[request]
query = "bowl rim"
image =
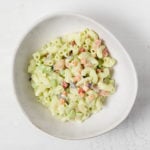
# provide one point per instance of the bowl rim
(85, 17)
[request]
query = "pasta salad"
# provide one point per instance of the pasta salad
(72, 75)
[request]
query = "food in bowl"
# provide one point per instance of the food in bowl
(72, 75)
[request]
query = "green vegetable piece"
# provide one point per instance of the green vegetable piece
(53, 83)
(72, 114)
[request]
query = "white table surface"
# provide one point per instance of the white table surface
(128, 20)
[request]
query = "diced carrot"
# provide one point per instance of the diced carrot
(105, 52)
(104, 93)
(62, 101)
(81, 90)
(76, 78)
(85, 88)
(65, 84)
(83, 61)
(98, 42)
(82, 94)
(81, 49)
(73, 43)
(64, 93)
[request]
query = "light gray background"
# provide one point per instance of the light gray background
(128, 20)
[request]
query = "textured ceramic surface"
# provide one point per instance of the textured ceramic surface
(118, 105)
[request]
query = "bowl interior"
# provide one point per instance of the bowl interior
(117, 106)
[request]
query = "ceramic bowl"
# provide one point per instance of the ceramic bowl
(118, 105)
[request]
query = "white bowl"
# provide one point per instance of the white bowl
(118, 105)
